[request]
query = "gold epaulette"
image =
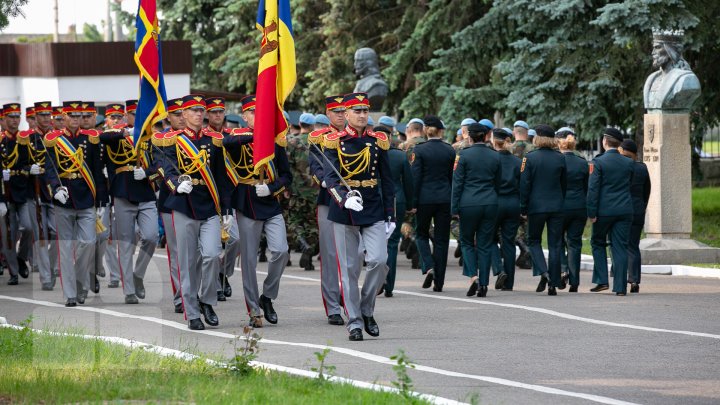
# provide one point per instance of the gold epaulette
(241, 131)
(50, 139)
(215, 136)
(92, 134)
(332, 140)
(381, 139)
(318, 135)
(23, 137)
(164, 139)
(281, 141)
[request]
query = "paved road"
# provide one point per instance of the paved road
(659, 347)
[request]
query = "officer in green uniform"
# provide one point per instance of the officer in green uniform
(610, 209)
(520, 148)
(415, 134)
(476, 180)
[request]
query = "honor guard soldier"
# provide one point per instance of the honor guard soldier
(610, 209)
(363, 207)
(543, 181)
(130, 108)
(231, 234)
(193, 169)
(432, 167)
(72, 167)
(30, 116)
(131, 174)
(329, 282)
(18, 193)
(177, 123)
(257, 208)
(44, 248)
(57, 118)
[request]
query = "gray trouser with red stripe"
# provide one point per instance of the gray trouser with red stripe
(128, 214)
(329, 278)
(172, 257)
(76, 242)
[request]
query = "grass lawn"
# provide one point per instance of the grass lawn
(39, 368)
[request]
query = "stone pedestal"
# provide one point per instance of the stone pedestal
(668, 224)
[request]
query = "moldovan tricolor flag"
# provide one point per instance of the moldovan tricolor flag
(276, 77)
(152, 103)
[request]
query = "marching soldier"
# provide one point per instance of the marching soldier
(57, 118)
(30, 117)
(131, 174)
(72, 167)
(130, 108)
(520, 148)
(360, 157)
(257, 208)
(330, 284)
(216, 120)
(177, 123)
(192, 167)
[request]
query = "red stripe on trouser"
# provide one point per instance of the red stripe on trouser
(167, 250)
(317, 218)
(172, 214)
(57, 243)
(337, 261)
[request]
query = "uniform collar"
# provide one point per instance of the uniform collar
(192, 134)
(354, 133)
(68, 133)
(10, 135)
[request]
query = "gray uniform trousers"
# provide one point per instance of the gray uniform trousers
(127, 214)
(171, 246)
(106, 247)
(198, 274)
(347, 240)
(45, 251)
(76, 241)
(276, 235)
(27, 234)
(6, 244)
(329, 272)
(232, 251)
(22, 230)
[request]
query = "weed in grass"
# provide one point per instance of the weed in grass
(246, 353)
(404, 382)
(324, 370)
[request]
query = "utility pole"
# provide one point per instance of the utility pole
(56, 23)
(108, 23)
(118, 23)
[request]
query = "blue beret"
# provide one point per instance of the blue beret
(286, 115)
(417, 121)
(386, 121)
(371, 122)
(459, 132)
(531, 132)
(487, 123)
(234, 118)
(521, 124)
(401, 128)
(307, 118)
(507, 130)
(564, 132)
(322, 119)
(467, 121)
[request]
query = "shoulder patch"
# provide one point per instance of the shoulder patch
(23, 137)
(92, 134)
(457, 159)
(164, 139)
(381, 139)
(522, 167)
(412, 158)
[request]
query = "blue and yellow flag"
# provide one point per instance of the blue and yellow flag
(152, 103)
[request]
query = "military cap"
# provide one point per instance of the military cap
(383, 129)
(521, 124)
(459, 131)
(356, 101)
(478, 128)
(507, 131)
(545, 131)
(248, 102)
(193, 101)
(433, 121)
(371, 121)
(416, 121)
(234, 118)
(215, 103)
(57, 111)
(487, 123)
(88, 107)
(115, 108)
(307, 119)
(12, 108)
(174, 104)
(531, 133)
(130, 106)
(564, 132)
(43, 107)
(29, 112)
(501, 133)
(401, 127)
(322, 119)
(629, 145)
(386, 121)
(467, 121)
(72, 107)
(335, 103)
(613, 133)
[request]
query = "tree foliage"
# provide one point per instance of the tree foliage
(10, 9)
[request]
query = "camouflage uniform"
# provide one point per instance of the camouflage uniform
(411, 251)
(524, 261)
(301, 206)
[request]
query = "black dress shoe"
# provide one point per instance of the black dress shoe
(388, 294)
(225, 285)
(139, 287)
(179, 308)
(96, 285)
(81, 296)
(564, 277)
(437, 289)
(131, 299)
(473, 289)
(544, 278)
(221, 296)
(482, 291)
(460, 261)
(23, 270)
(552, 291)
(371, 327)
(381, 290)
(500, 282)
(506, 289)
(634, 288)
(600, 287)
(458, 252)
(13, 280)
(47, 287)
(209, 314)
(268, 310)
(306, 260)
(356, 335)
(262, 258)
(573, 288)
(335, 319)
(71, 302)
(196, 324)
(429, 277)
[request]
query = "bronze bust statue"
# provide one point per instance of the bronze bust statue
(367, 70)
(673, 87)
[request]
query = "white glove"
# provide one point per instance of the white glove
(323, 184)
(139, 173)
(105, 172)
(62, 195)
(354, 203)
(3, 209)
(262, 190)
(389, 229)
(185, 187)
(34, 169)
(6, 175)
(227, 220)
(100, 211)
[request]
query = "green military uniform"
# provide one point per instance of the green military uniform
(520, 149)
(301, 207)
